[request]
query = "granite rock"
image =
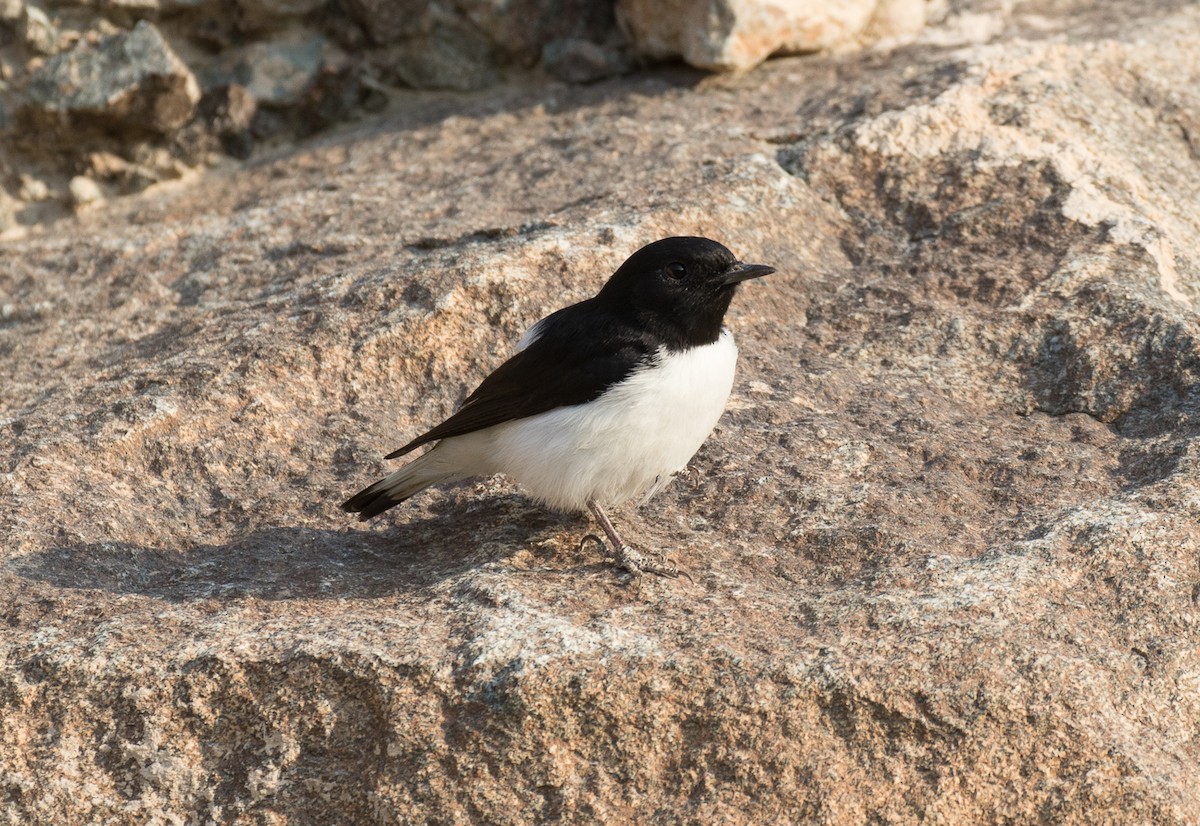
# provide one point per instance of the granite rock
(129, 80)
(273, 15)
(279, 72)
(37, 30)
(386, 21)
(84, 191)
(520, 29)
(516, 30)
(739, 34)
(451, 54)
(574, 60)
(944, 542)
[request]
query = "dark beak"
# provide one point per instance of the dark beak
(740, 272)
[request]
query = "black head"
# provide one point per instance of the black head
(679, 288)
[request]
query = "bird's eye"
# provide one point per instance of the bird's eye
(675, 271)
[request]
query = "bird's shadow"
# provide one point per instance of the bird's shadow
(280, 563)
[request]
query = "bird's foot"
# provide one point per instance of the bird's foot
(638, 563)
(634, 561)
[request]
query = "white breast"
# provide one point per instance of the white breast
(625, 443)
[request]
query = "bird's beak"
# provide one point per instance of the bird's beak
(740, 272)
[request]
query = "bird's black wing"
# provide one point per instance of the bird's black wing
(578, 354)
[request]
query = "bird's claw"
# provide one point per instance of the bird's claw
(591, 537)
(638, 563)
(635, 562)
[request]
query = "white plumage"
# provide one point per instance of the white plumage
(624, 444)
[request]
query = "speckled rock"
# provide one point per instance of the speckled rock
(128, 80)
(574, 60)
(280, 72)
(450, 53)
(84, 191)
(37, 31)
(944, 542)
(522, 28)
(739, 34)
(270, 14)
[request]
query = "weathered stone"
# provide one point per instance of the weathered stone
(228, 113)
(387, 21)
(467, 45)
(9, 208)
(84, 191)
(520, 29)
(331, 99)
(426, 45)
(944, 543)
(37, 31)
(739, 34)
(132, 80)
(273, 11)
(452, 55)
(279, 72)
(128, 12)
(106, 166)
(33, 189)
(896, 20)
(581, 61)
(128, 176)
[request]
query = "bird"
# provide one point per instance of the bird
(600, 402)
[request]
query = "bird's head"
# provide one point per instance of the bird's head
(681, 287)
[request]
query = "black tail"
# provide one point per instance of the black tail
(372, 501)
(398, 486)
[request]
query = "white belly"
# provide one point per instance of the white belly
(625, 443)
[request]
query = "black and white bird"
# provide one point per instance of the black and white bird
(603, 400)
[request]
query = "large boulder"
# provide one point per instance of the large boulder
(131, 80)
(739, 34)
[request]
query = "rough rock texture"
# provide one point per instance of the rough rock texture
(151, 93)
(123, 97)
(739, 34)
(135, 86)
(468, 44)
(574, 60)
(278, 73)
(127, 80)
(944, 543)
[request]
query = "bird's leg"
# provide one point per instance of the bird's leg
(633, 561)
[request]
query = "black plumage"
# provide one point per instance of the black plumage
(582, 350)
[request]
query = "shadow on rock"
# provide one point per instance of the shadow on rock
(302, 563)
